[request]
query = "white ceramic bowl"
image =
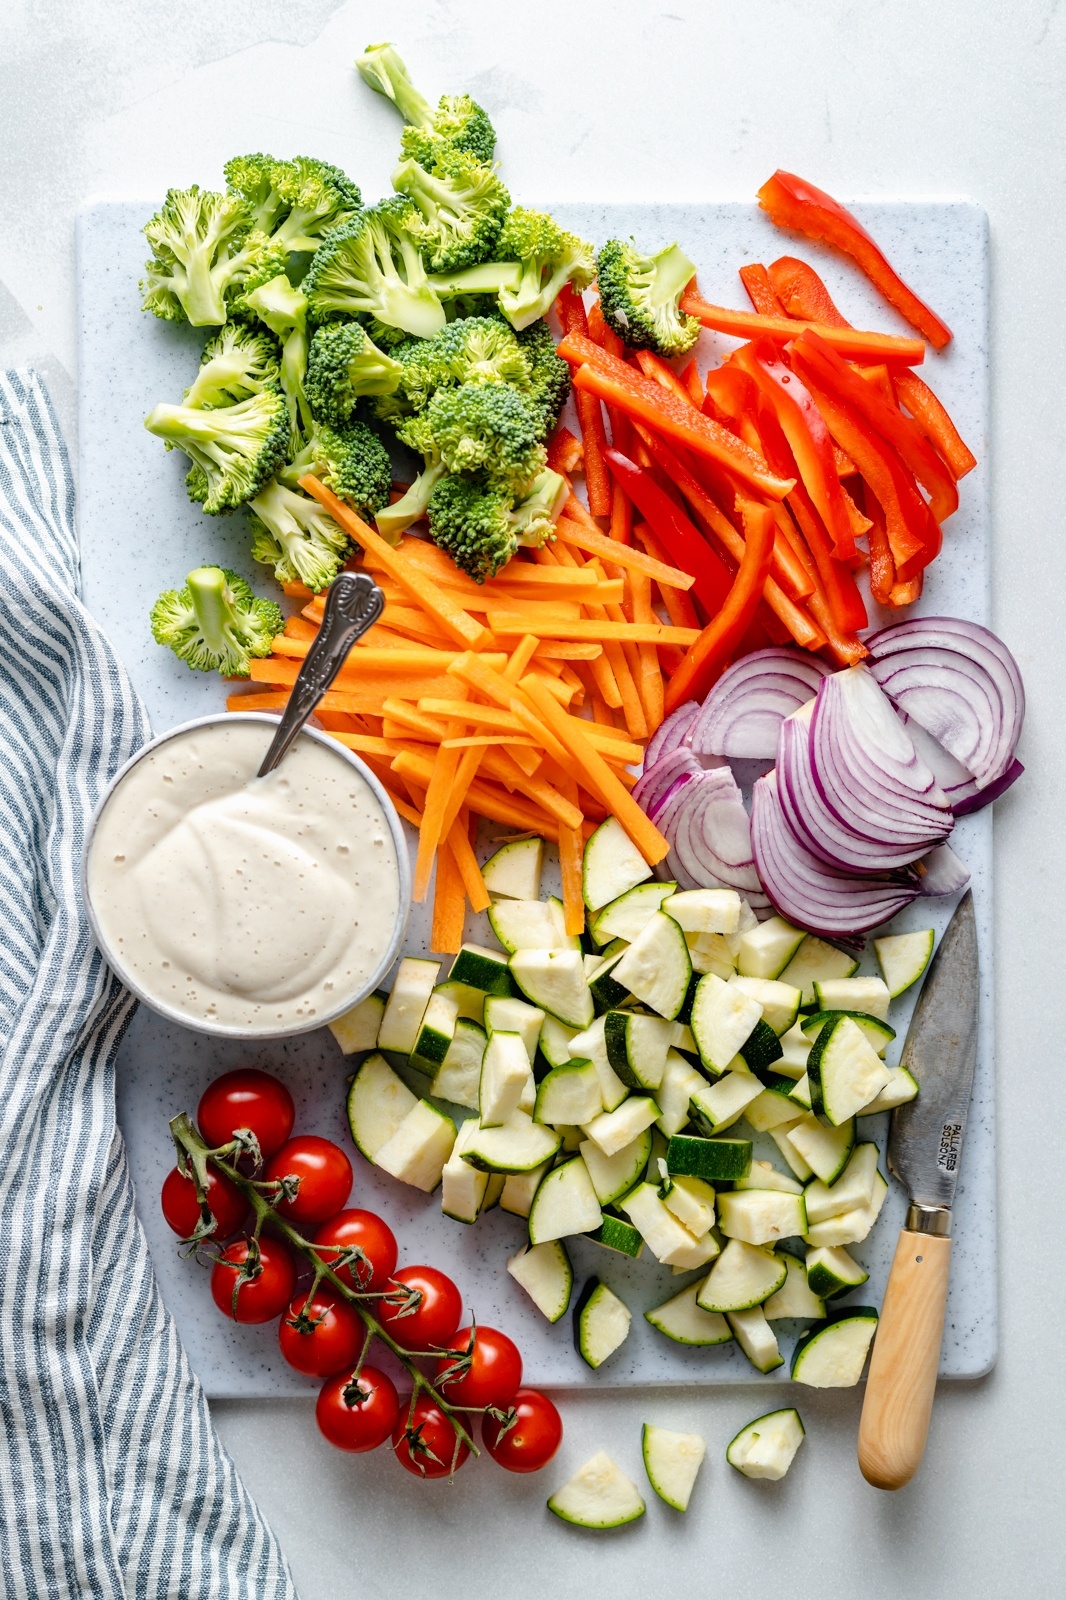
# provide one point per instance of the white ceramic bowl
(391, 943)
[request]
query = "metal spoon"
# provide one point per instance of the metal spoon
(354, 603)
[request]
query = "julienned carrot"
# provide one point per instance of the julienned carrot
(852, 343)
(651, 680)
(449, 904)
(666, 576)
(597, 776)
(679, 607)
(466, 861)
(487, 799)
(760, 290)
(567, 650)
(458, 624)
(593, 433)
(432, 831)
(368, 662)
(506, 624)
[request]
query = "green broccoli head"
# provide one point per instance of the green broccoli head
(458, 123)
(475, 519)
(350, 459)
(639, 297)
(461, 205)
(298, 538)
(203, 250)
(372, 267)
(549, 257)
(484, 427)
(294, 203)
(233, 449)
(343, 365)
(215, 623)
(549, 374)
(236, 363)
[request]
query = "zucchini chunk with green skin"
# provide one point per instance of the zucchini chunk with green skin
(716, 1106)
(761, 1216)
(458, 1078)
(816, 960)
(611, 864)
(505, 1072)
(832, 1271)
(833, 1353)
(419, 1148)
(555, 1040)
(614, 1233)
(684, 1321)
(637, 1047)
(795, 1298)
(704, 910)
(711, 953)
(554, 980)
(656, 968)
(880, 1034)
(824, 1150)
(483, 969)
(407, 1004)
(601, 1323)
(614, 1176)
(463, 1188)
(850, 1227)
(901, 1088)
(777, 1105)
(525, 925)
(903, 957)
(504, 1014)
(667, 1239)
(627, 916)
(780, 1002)
(612, 1131)
(519, 1188)
(358, 1028)
(844, 1070)
(867, 995)
(700, 1253)
(378, 1102)
(597, 1496)
(672, 1462)
(766, 950)
(692, 1202)
(713, 1160)
(518, 1146)
(723, 1018)
(564, 1204)
(606, 993)
(471, 1002)
(781, 1137)
(764, 1175)
(435, 1034)
(756, 1338)
(854, 1187)
(767, 1447)
(743, 1276)
(761, 1048)
(515, 869)
(545, 1273)
(569, 1095)
(679, 1083)
(795, 1048)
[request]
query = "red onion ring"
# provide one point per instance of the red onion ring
(942, 872)
(743, 712)
(652, 787)
(672, 733)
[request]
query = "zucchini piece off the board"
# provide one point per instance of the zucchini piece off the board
(767, 1446)
(599, 1495)
(672, 1462)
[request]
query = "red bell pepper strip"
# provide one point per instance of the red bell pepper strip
(685, 545)
(705, 660)
(852, 344)
(841, 592)
(690, 377)
(905, 594)
(882, 567)
(643, 400)
(792, 202)
(564, 451)
(842, 643)
(914, 450)
(808, 438)
(756, 281)
(655, 367)
(803, 294)
(930, 416)
(589, 413)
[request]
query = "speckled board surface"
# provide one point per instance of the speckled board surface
(143, 535)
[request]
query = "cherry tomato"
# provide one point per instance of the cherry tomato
(251, 1099)
(360, 1230)
(433, 1321)
(491, 1375)
(325, 1175)
(182, 1211)
(259, 1299)
(358, 1414)
(425, 1441)
(534, 1438)
(321, 1336)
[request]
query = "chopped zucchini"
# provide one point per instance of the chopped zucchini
(704, 910)
(555, 981)
(776, 1106)
(833, 1353)
(690, 1257)
(407, 1004)
(598, 1495)
(795, 1298)
(378, 1102)
(795, 1048)
(564, 1204)
(637, 1047)
(419, 1148)
(614, 1233)
(903, 957)
(592, 1044)
(756, 1338)
(462, 1186)
(482, 969)
(817, 960)
(614, 1176)
(713, 1160)
(656, 967)
(780, 1001)
(766, 950)
(358, 1028)
(625, 917)
(711, 953)
(716, 1106)
(505, 1072)
(743, 1276)
(761, 1049)
(525, 925)
(832, 1271)
(868, 995)
(792, 1156)
(672, 1462)
(761, 1216)
(850, 1227)
(692, 1202)
(611, 865)
(679, 1083)
(767, 1447)
(518, 1146)
(601, 1323)
(854, 1187)
(844, 1070)
(606, 993)
(545, 1273)
(435, 1034)
(685, 1322)
(471, 1002)
(901, 1087)
(664, 1236)
(504, 1014)
(612, 1131)
(823, 1149)
(555, 1039)
(516, 1196)
(880, 1034)
(723, 1017)
(515, 869)
(569, 1095)
(763, 1175)
(458, 1078)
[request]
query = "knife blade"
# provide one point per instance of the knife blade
(924, 1150)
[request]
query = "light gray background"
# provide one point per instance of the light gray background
(620, 101)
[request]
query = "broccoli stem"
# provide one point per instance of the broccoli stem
(392, 520)
(673, 273)
(214, 610)
(202, 297)
(489, 278)
(382, 69)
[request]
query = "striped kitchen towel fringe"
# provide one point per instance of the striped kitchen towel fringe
(113, 1483)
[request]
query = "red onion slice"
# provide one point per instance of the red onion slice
(960, 682)
(655, 783)
(671, 733)
(743, 712)
(710, 835)
(942, 872)
(992, 791)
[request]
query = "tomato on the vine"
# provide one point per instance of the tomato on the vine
(425, 1441)
(322, 1335)
(324, 1173)
(360, 1230)
(260, 1298)
(249, 1099)
(484, 1372)
(531, 1440)
(430, 1323)
(358, 1414)
(182, 1211)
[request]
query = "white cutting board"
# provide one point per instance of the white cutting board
(139, 534)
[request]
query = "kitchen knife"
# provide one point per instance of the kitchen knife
(924, 1147)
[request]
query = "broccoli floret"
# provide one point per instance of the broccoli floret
(233, 449)
(350, 459)
(478, 350)
(216, 623)
(550, 257)
(284, 311)
(343, 365)
(461, 204)
(203, 250)
(549, 374)
(639, 297)
(298, 538)
(371, 266)
(458, 123)
(235, 364)
(475, 520)
(293, 202)
(481, 427)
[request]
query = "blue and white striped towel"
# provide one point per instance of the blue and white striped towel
(113, 1483)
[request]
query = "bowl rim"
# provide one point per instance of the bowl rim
(226, 1030)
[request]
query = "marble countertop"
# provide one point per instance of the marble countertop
(923, 98)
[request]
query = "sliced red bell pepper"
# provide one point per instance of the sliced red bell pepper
(756, 281)
(845, 603)
(852, 343)
(690, 377)
(882, 567)
(686, 547)
(655, 367)
(803, 294)
(930, 416)
(705, 660)
(589, 412)
(564, 451)
(808, 438)
(841, 642)
(792, 202)
(905, 594)
(815, 356)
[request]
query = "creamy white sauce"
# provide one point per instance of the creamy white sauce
(254, 903)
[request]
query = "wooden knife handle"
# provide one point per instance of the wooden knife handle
(903, 1367)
